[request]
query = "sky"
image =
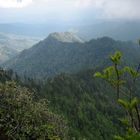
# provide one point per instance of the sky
(68, 11)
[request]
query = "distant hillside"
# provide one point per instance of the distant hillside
(6, 54)
(51, 56)
(17, 42)
(121, 30)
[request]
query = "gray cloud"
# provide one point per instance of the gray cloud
(123, 9)
(69, 10)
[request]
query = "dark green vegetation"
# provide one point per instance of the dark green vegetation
(114, 75)
(88, 105)
(65, 70)
(24, 117)
(82, 100)
(51, 56)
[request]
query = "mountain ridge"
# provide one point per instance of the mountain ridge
(49, 58)
(64, 37)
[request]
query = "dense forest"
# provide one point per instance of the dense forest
(86, 104)
(64, 53)
(85, 108)
(22, 116)
(71, 105)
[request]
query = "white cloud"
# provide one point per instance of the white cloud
(68, 10)
(83, 3)
(128, 9)
(121, 8)
(14, 3)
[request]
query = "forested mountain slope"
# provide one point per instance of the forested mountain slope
(56, 55)
(23, 116)
(89, 106)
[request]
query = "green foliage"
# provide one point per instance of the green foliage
(110, 76)
(116, 58)
(22, 117)
(130, 135)
(86, 104)
(133, 73)
(131, 106)
(107, 73)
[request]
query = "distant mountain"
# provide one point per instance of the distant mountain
(65, 37)
(6, 53)
(56, 54)
(32, 30)
(17, 42)
(120, 30)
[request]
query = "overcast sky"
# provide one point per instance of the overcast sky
(68, 11)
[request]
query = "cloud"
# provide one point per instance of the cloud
(86, 11)
(14, 3)
(128, 9)
(83, 3)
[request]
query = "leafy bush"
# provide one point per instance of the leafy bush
(23, 117)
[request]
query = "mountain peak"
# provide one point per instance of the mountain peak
(64, 37)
